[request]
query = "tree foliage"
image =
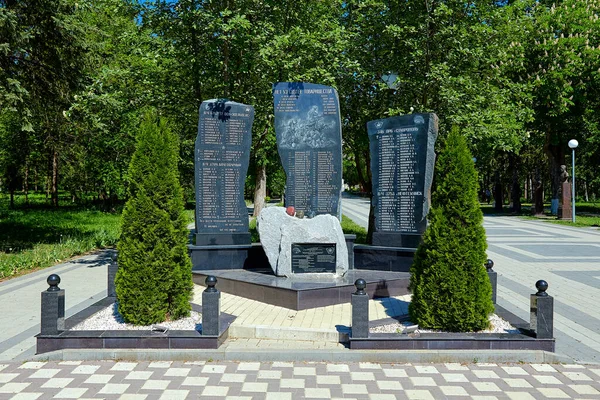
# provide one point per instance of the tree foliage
(154, 280)
(450, 286)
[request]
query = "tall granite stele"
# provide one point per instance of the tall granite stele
(402, 162)
(309, 140)
(221, 157)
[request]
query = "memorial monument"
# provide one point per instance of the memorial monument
(309, 140)
(402, 162)
(221, 156)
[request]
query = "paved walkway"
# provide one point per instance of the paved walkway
(284, 380)
(525, 251)
(84, 280)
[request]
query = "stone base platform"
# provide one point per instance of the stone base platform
(129, 339)
(301, 293)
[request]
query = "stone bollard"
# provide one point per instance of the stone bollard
(489, 264)
(211, 299)
(542, 312)
(53, 308)
(360, 310)
(112, 273)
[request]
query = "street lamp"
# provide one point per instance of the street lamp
(573, 145)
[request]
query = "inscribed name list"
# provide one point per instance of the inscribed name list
(402, 160)
(222, 154)
(309, 140)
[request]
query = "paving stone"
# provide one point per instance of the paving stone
(195, 381)
(32, 365)
(86, 369)
(584, 390)
(419, 395)
(517, 383)
(160, 364)
(554, 393)
(26, 396)
(577, 376)
(547, 379)
(174, 395)
(422, 381)
(519, 395)
(114, 388)
(426, 369)
(317, 393)
(99, 378)
(139, 375)
(14, 387)
(453, 391)
(57, 383)
(486, 386)
(124, 366)
(455, 377)
(155, 384)
(44, 373)
(362, 376)
(70, 393)
(486, 374)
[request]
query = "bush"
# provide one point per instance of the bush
(451, 289)
(154, 280)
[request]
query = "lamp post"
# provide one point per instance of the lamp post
(573, 145)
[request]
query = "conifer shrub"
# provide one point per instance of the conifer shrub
(449, 282)
(154, 279)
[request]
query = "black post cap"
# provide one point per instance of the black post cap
(541, 286)
(361, 285)
(489, 264)
(53, 281)
(210, 281)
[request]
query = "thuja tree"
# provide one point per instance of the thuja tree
(450, 286)
(154, 280)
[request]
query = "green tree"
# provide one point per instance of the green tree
(154, 280)
(450, 286)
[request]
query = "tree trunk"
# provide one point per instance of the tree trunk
(260, 190)
(55, 178)
(537, 208)
(516, 187)
(556, 155)
(12, 199)
(359, 171)
(26, 183)
(498, 195)
(585, 191)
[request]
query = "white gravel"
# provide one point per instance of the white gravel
(110, 319)
(498, 325)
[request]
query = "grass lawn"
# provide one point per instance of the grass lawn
(38, 236)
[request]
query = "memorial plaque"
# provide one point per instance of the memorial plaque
(222, 153)
(309, 140)
(402, 161)
(313, 258)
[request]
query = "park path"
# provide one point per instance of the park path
(84, 280)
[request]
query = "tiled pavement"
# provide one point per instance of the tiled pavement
(282, 380)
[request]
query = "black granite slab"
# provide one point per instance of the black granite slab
(309, 139)
(221, 157)
(301, 293)
(402, 161)
(382, 258)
